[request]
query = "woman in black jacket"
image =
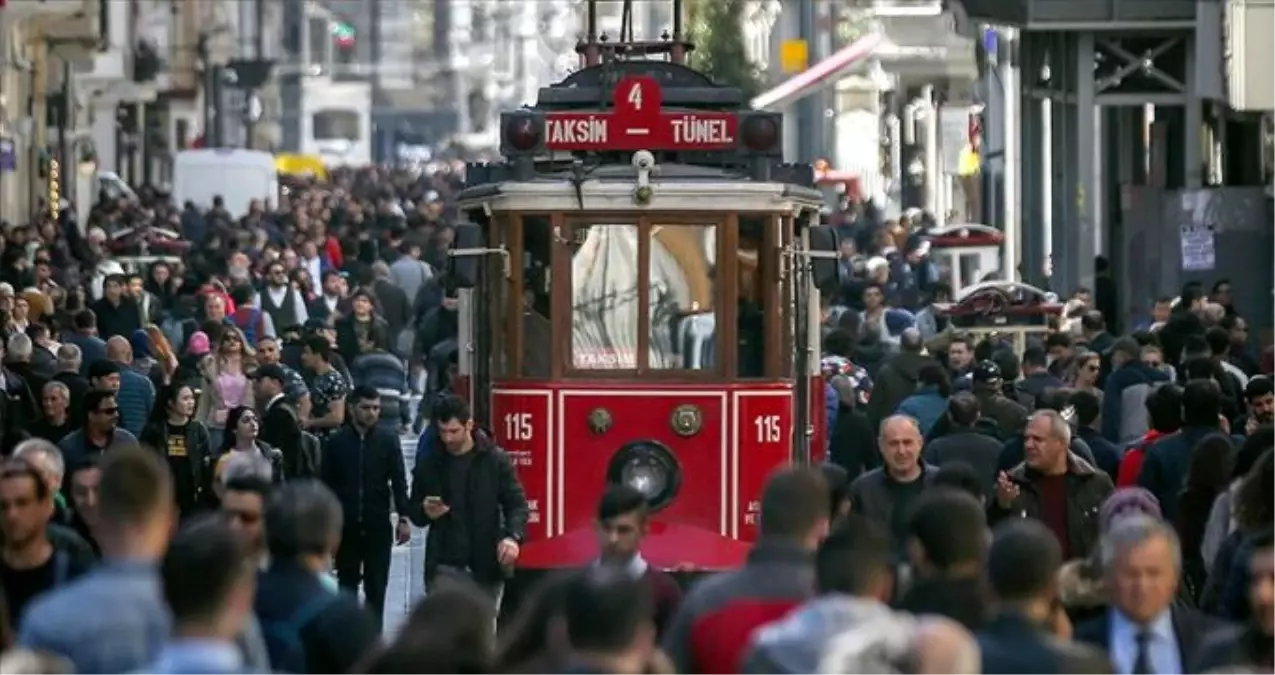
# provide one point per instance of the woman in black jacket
(184, 442)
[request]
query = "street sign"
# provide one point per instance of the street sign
(638, 123)
(794, 56)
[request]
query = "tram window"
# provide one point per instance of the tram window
(751, 321)
(537, 328)
(604, 297)
(682, 290)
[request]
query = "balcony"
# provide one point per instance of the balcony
(1082, 14)
(919, 41)
(73, 28)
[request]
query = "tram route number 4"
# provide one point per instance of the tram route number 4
(637, 122)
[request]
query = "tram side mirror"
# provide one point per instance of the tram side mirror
(464, 267)
(823, 269)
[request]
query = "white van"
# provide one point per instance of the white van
(238, 176)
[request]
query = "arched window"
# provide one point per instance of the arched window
(331, 125)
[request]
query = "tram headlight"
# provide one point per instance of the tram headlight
(648, 467)
(760, 133)
(521, 132)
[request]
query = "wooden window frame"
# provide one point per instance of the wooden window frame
(723, 287)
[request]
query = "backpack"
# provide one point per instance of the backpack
(283, 638)
(253, 326)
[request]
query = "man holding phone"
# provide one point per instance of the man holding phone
(468, 494)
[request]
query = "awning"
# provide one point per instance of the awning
(803, 84)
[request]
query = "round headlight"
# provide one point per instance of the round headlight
(649, 468)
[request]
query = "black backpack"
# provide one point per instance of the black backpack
(283, 638)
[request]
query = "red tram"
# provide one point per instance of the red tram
(639, 305)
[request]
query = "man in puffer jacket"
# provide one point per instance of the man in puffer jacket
(387, 374)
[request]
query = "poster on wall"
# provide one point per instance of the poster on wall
(1198, 252)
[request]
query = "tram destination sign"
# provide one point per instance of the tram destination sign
(637, 122)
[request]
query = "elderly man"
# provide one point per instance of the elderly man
(887, 494)
(55, 405)
(1054, 486)
(69, 372)
(136, 393)
(46, 459)
(1144, 631)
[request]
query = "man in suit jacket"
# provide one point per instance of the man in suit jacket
(1143, 632)
(280, 424)
(1022, 566)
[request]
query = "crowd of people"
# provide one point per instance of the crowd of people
(203, 472)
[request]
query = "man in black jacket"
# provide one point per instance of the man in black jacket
(966, 441)
(467, 492)
(363, 464)
(280, 422)
(1022, 567)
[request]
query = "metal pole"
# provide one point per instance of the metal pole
(808, 123)
(931, 147)
(64, 119)
(39, 78)
(1013, 139)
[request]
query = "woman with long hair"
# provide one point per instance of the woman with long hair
(1085, 368)
(184, 442)
(449, 631)
(240, 443)
(1207, 477)
(1254, 508)
(225, 384)
(535, 640)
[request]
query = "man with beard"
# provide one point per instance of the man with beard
(280, 301)
(1260, 395)
(30, 563)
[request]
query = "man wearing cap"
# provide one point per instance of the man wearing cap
(1010, 416)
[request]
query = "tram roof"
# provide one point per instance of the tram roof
(611, 187)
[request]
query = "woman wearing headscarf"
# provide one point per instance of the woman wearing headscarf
(1080, 581)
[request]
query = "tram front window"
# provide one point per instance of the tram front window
(681, 274)
(605, 298)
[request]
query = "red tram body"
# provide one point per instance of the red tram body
(639, 305)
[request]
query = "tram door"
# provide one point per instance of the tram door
(479, 268)
(811, 264)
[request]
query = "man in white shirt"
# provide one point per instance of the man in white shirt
(1143, 632)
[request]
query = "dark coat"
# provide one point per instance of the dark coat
(894, 382)
(1087, 489)
(1011, 644)
(1189, 627)
(334, 640)
(366, 473)
(980, 451)
(347, 340)
(1166, 463)
(198, 448)
(497, 506)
